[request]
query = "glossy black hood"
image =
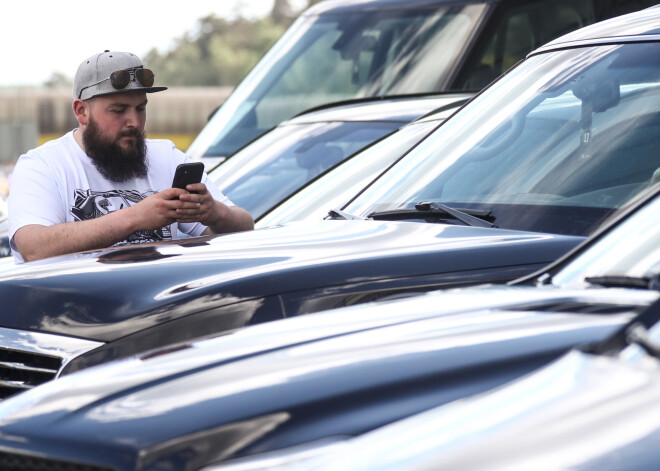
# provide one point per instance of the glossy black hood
(583, 412)
(275, 385)
(117, 292)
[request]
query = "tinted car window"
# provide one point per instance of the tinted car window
(521, 29)
(631, 249)
(335, 188)
(574, 142)
(330, 58)
(291, 156)
(390, 48)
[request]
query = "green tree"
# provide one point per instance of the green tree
(220, 53)
(281, 13)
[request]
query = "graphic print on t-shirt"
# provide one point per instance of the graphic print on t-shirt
(89, 204)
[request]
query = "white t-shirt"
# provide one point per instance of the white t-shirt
(57, 183)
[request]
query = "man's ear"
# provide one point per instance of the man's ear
(81, 109)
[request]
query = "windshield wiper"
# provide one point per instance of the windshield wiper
(638, 334)
(623, 281)
(424, 209)
(339, 214)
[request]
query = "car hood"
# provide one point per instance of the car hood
(233, 390)
(584, 411)
(117, 292)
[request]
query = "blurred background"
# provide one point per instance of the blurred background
(200, 49)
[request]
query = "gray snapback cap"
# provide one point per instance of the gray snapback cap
(93, 75)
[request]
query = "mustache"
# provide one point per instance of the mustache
(133, 132)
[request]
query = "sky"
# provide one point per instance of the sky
(42, 37)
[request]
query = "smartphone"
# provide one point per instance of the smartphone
(187, 173)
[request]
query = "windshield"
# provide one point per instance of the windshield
(631, 249)
(560, 144)
(333, 57)
(286, 158)
(337, 187)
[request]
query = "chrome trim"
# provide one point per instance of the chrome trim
(12, 365)
(66, 348)
(28, 359)
(15, 385)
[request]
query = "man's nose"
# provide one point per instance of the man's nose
(132, 118)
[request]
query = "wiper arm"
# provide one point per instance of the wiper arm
(339, 214)
(470, 217)
(634, 332)
(623, 281)
(638, 335)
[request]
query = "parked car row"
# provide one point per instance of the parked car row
(340, 50)
(357, 341)
(307, 384)
(291, 394)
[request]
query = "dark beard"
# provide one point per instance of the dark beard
(113, 161)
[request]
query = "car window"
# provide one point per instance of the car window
(329, 58)
(390, 48)
(611, 8)
(630, 249)
(521, 29)
(337, 186)
(285, 159)
(567, 141)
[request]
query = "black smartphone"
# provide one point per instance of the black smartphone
(187, 173)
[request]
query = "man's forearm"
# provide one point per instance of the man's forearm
(237, 220)
(35, 242)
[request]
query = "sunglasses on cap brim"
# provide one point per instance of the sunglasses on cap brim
(120, 79)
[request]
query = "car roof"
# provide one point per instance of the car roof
(643, 25)
(347, 6)
(400, 109)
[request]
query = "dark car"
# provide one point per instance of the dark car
(345, 49)
(283, 160)
(595, 408)
(271, 396)
(502, 188)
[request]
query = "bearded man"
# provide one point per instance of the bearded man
(104, 184)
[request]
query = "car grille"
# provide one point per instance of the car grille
(16, 462)
(20, 371)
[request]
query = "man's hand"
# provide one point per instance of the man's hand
(157, 210)
(36, 242)
(199, 206)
